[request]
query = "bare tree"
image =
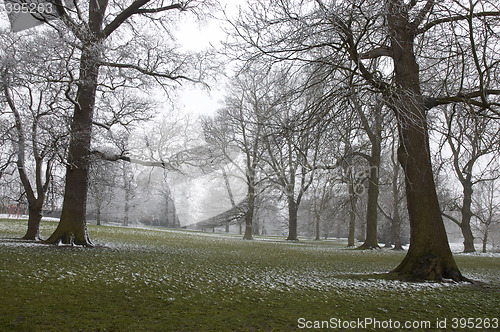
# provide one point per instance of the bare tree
(393, 212)
(36, 105)
(292, 149)
(108, 61)
(103, 183)
(473, 142)
(373, 130)
(350, 36)
(240, 125)
(486, 205)
(321, 200)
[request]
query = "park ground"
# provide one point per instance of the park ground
(170, 280)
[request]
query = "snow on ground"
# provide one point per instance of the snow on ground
(207, 267)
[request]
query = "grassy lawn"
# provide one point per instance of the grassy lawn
(143, 279)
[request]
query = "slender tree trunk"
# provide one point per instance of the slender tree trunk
(466, 218)
(98, 215)
(485, 240)
(388, 234)
(35, 203)
(375, 136)
(396, 219)
(35, 216)
(396, 231)
(317, 224)
(429, 256)
(127, 205)
(292, 218)
(372, 205)
(352, 217)
(230, 193)
(72, 228)
(362, 231)
(249, 213)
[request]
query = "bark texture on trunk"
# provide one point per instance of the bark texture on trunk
(375, 135)
(292, 219)
(466, 218)
(371, 241)
(72, 228)
(429, 256)
(249, 213)
(35, 216)
(317, 224)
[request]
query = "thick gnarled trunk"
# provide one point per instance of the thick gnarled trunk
(429, 256)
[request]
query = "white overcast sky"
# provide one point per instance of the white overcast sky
(193, 35)
(197, 36)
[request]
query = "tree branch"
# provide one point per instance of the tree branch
(134, 8)
(420, 17)
(376, 52)
(455, 18)
(455, 220)
(161, 9)
(144, 71)
(431, 102)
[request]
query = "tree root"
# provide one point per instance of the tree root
(368, 247)
(68, 238)
(430, 268)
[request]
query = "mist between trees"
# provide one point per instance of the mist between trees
(354, 118)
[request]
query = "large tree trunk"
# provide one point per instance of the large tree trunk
(72, 228)
(292, 219)
(429, 256)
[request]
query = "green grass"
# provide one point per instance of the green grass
(138, 279)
